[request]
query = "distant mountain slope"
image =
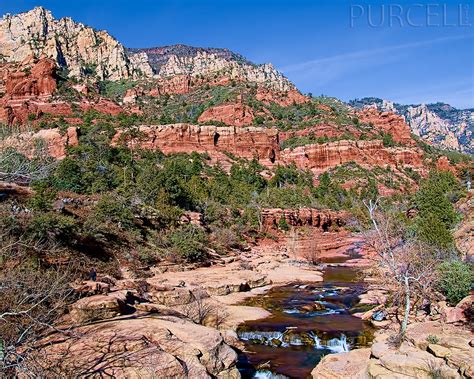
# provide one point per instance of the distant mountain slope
(158, 56)
(441, 124)
(197, 61)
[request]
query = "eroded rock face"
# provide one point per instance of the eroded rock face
(176, 60)
(427, 124)
(235, 114)
(247, 143)
(38, 79)
(439, 124)
(144, 347)
(284, 99)
(73, 45)
(322, 219)
(388, 122)
(53, 141)
(320, 157)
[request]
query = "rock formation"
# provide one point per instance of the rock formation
(53, 141)
(35, 79)
(282, 98)
(429, 348)
(80, 49)
(387, 122)
(151, 346)
(175, 60)
(235, 114)
(320, 157)
(439, 124)
(247, 143)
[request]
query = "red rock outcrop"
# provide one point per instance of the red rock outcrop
(388, 122)
(103, 106)
(250, 142)
(323, 219)
(443, 164)
(320, 157)
(38, 80)
(322, 129)
(55, 142)
(284, 99)
(236, 114)
(178, 84)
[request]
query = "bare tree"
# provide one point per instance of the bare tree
(406, 266)
(202, 311)
(34, 295)
(16, 167)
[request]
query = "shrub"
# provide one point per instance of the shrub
(189, 243)
(283, 225)
(455, 280)
(115, 209)
(387, 140)
(68, 175)
(47, 226)
(44, 196)
(432, 339)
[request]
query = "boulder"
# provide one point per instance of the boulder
(89, 287)
(452, 315)
(466, 303)
(147, 347)
(175, 296)
(343, 365)
(439, 351)
(97, 307)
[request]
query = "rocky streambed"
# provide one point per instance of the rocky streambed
(307, 322)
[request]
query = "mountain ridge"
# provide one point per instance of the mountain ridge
(438, 123)
(85, 51)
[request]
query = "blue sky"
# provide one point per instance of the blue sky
(405, 51)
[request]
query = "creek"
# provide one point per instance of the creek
(308, 321)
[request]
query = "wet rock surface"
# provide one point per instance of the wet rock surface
(308, 321)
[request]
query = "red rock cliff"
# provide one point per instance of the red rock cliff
(320, 157)
(388, 122)
(323, 219)
(248, 143)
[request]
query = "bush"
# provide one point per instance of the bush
(455, 280)
(115, 209)
(68, 175)
(189, 243)
(282, 224)
(44, 196)
(48, 226)
(432, 339)
(387, 140)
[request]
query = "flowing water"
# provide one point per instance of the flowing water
(308, 321)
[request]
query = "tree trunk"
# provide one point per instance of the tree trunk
(403, 328)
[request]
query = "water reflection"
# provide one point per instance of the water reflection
(308, 321)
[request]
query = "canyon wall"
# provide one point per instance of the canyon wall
(320, 157)
(317, 218)
(249, 143)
